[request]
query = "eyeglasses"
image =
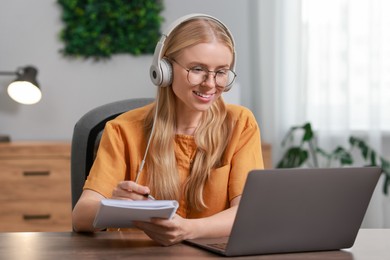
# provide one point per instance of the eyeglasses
(198, 74)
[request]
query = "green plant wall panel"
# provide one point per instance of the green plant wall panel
(99, 29)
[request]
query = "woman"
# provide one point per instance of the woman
(201, 149)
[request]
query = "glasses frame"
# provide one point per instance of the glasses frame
(208, 71)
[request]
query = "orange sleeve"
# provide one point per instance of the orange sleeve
(109, 166)
(120, 152)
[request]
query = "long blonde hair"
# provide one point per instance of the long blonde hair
(210, 137)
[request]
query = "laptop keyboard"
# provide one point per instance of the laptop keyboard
(219, 245)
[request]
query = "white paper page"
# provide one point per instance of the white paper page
(121, 213)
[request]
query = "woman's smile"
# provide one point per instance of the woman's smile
(203, 96)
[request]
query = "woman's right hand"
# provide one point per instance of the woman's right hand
(129, 190)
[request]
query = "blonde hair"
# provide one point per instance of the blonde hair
(210, 137)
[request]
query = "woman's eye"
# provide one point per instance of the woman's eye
(221, 72)
(197, 69)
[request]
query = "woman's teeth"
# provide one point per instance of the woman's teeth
(202, 95)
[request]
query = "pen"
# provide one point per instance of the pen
(136, 180)
(147, 149)
(149, 196)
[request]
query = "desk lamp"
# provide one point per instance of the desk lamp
(24, 89)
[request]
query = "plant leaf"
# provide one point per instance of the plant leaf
(308, 135)
(343, 156)
(385, 165)
(386, 184)
(294, 157)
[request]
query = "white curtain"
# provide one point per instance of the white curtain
(332, 69)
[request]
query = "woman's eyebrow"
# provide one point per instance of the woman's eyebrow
(194, 64)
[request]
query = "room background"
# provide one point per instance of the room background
(71, 87)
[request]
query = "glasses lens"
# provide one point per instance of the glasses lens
(197, 75)
(223, 78)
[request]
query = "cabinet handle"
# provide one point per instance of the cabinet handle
(36, 173)
(33, 217)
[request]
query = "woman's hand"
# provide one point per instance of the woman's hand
(129, 190)
(166, 232)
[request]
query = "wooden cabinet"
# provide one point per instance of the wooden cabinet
(267, 155)
(35, 192)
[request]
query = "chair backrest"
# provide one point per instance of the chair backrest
(86, 137)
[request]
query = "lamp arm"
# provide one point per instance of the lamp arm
(8, 73)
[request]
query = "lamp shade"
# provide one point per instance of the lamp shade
(25, 89)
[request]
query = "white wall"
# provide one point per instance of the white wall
(30, 35)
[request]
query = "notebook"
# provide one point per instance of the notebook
(113, 213)
(298, 210)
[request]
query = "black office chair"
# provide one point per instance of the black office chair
(86, 137)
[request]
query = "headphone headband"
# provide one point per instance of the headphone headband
(161, 69)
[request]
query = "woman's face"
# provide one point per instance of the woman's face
(198, 98)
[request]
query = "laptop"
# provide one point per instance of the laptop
(298, 210)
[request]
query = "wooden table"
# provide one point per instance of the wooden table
(371, 244)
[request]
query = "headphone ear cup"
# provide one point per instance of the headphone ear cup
(166, 73)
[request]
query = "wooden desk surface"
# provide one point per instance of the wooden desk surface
(370, 244)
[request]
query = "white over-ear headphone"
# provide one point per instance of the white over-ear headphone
(161, 68)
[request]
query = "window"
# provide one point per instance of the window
(345, 48)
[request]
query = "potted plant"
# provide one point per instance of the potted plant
(306, 152)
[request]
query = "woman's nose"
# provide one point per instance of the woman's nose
(210, 80)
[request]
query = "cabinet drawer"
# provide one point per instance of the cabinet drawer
(35, 193)
(42, 216)
(18, 169)
(34, 180)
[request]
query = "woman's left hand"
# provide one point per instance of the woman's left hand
(166, 232)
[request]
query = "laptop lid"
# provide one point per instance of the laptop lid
(299, 210)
